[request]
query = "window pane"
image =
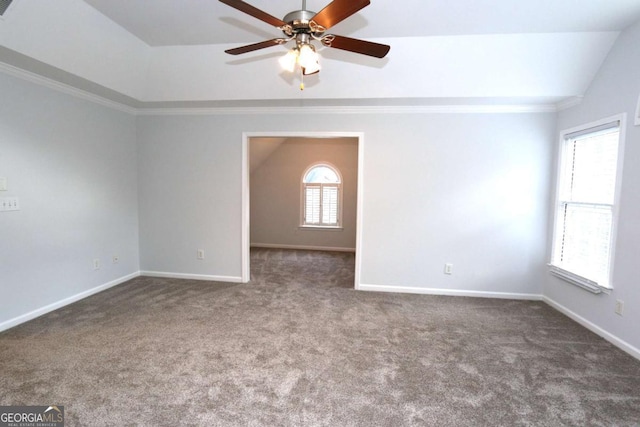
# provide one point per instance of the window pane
(322, 174)
(586, 237)
(590, 168)
(330, 205)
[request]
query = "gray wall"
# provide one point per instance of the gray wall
(468, 189)
(189, 174)
(72, 164)
(615, 90)
(474, 190)
(275, 193)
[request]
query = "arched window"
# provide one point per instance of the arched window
(321, 196)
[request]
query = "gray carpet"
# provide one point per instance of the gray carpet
(299, 347)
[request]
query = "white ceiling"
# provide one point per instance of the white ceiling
(170, 53)
(189, 22)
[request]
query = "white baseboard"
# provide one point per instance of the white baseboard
(448, 292)
(167, 275)
(623, 345)
(59, 304)
(301, 247)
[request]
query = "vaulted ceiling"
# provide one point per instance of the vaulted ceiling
(171, 52)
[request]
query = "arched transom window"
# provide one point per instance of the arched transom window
(321, 196)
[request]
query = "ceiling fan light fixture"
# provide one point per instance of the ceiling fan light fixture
(304, 55)
(311, 64)
(309, 71)
(307, 57)
(288, 62)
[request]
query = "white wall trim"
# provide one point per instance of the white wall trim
(399, 109)
(246, 188)
(301, 247)
(64, 302)
(64, 88)
(246, 209)
(359, 212)
(205, 277)
(569, 103)
(449, 292)
(621, 344)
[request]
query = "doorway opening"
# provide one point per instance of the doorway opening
(274, 157)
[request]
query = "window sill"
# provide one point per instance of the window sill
(574, 279)
(320, 228)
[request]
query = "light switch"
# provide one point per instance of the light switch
(3, 183)
(9, 204)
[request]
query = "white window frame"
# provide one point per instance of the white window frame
(565, 137)
(303, 187)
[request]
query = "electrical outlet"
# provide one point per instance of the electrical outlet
(619, 307)
(448, 269)
(96, 264)
(116, 259)
(200, 253)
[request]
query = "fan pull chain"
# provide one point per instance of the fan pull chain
(301, 79)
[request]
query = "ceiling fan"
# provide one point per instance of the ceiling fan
(303, 26)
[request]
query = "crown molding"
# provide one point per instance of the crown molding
(569, 103)
(64, 88)
(424, 109)
(280, 110)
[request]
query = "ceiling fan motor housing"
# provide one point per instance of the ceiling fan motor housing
(299, 21)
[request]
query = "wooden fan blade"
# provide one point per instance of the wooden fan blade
(355, 45)
(255, 46)
(255, 12)
(337, 11)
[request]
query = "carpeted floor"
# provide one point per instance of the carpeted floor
(297, 346)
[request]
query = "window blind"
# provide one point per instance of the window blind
(312, 205)
(584, 217)
(330, 205)
(594, 131)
